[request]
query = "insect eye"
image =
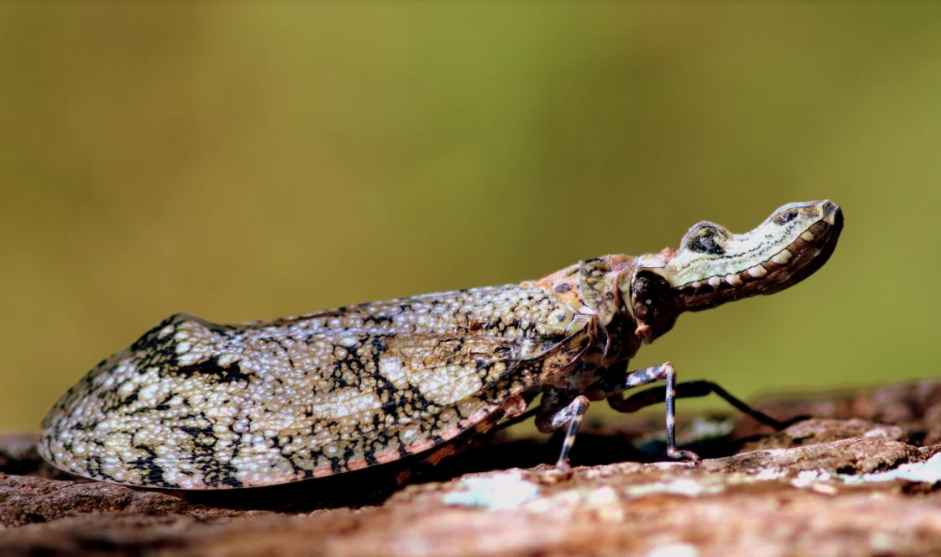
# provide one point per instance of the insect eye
(708, 240)
(650, 289)
(786, 217)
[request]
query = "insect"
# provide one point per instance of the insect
(198, 405)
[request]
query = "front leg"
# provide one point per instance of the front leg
(620, 380)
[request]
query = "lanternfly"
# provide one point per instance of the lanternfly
(198, 405)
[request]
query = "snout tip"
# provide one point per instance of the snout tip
(832, 214)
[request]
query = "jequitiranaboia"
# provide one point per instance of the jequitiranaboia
(199, 405)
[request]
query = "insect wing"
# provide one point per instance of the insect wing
(196, 405)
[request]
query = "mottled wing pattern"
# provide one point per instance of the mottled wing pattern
(197, 405)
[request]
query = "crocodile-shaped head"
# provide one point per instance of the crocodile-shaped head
(713, 266)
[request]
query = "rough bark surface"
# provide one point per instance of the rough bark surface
(859, 477)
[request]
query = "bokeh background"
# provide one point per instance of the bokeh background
(251, 160)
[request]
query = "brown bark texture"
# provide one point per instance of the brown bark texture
(858, 477)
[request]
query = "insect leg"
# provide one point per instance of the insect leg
(691, 389)
(571, 415)
(621, 380)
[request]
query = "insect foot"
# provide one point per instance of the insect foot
(199, 405)
(678, 454)
(561, 472)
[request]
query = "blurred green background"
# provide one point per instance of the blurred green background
(251, 160)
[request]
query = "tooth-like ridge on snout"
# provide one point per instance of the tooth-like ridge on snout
(782, 257)
(735, 279)
(757, 271)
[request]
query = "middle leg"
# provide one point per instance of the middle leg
(556, 410)
(571, 415)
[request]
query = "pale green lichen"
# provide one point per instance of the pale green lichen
(674, 550)
(928, 471)
(682, 486)
(495, 492)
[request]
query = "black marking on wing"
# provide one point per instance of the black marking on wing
(212, 371)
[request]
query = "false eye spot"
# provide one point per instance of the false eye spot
(707, 241)
(786, 217)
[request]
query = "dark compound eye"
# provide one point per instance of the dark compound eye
(786, 217)
(650, 288)
(707, 241)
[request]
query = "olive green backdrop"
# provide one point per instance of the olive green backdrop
(251, 160)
